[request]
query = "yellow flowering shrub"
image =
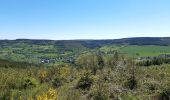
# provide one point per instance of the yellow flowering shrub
(42, 74)
(65, 72)
(51, 94)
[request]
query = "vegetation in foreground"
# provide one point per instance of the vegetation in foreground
(94, 76)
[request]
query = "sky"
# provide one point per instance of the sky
(84, 19)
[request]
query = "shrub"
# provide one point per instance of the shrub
(165, 94)
(131, 83)
(73, 94)
(129, 96)
(29, 83)
(99, 95)
(85, 82)
(150, 86)
(101, 91)
(42, 74)
(51, 94)
(65, 72)
(57, 82)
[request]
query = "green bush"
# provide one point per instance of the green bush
(73, 94)
(129, 96)
(99, 95)
(57, 82)
(100, 91)
(131, 83)
(85, 82)
(165, 94)
(150, 86)
(29, 83)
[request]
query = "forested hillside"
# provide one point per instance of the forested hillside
(94, 43)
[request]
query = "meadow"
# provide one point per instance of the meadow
(138, 50)
(150, 50)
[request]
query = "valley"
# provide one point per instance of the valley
(123, 69)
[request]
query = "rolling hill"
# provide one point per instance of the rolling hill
(162, 41)
(33, 51)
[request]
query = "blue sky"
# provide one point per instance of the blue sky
(84, 19)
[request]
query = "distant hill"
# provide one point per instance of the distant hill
(38, 51)
(144, 41)
(162, 41)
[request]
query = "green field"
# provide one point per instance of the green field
(140, 51)
(145, 50)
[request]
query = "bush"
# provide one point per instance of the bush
(131, 83)
(73, 94)
(129, 96)
(42, 74)
(51, 94)
(99, 95)
(29, 83)
(150, 86)
(165, 95)
(101, 91)
(57, 82)
(85, 82)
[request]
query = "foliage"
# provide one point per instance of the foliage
(151, 86)
(85, 82)
(29, 83)
(57, 82)
(100, 92)
(129, 97)
(154, 61)
(42, 73)
(51, 94)
(131, 83)
(96, 75)
(165, 94)
(92, 61)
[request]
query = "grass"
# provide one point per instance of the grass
(146, 50)
(141, 51)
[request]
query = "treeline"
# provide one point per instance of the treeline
(13, 64)
(154, 61)
(97, 60)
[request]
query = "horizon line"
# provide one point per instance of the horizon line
(83, 39)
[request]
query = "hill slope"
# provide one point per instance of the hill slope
(37, 51)
(93, 43)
